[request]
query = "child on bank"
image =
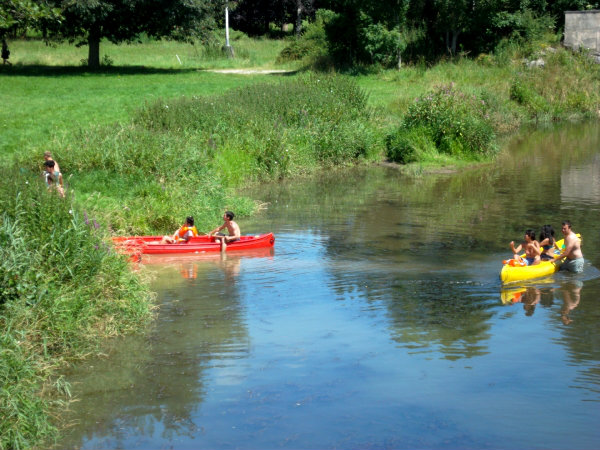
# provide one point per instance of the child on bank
(54, 179)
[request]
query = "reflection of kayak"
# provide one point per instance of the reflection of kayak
(510, 273)
(514, 295)
(150, 245)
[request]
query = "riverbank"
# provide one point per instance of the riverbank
(141, 148)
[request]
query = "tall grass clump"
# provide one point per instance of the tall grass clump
(62, 290)
(278, 128)
(563, 85)
(140, 181)
(444, 122)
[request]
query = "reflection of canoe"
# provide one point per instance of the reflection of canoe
(150, 245)
(264, 252)
(509, 273)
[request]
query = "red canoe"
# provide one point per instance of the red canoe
(149, 245)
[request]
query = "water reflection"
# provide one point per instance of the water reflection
(188, 265)
(567, 293)
(151, 386)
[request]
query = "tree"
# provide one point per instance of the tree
(254, 16)
(90, 21)
(21, 14)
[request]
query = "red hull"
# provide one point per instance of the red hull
(148, 245)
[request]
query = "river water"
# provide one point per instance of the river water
(378, 320)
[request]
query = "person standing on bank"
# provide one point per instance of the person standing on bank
(48, 157)
(232, 228)
(54, 179)
(5, 53)
(572, 251)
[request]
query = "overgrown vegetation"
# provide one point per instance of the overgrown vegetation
(179, 157)
(446, 121)
(563, 84)
(63, 290)
(545, 84)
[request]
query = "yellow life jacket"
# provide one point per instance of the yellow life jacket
(183, 230)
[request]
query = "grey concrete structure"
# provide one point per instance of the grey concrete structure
(582, 29)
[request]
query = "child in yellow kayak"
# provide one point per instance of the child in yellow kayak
(531, 247)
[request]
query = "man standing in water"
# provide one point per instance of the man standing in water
(572, 250)
(232, 228)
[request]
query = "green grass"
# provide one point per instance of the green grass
(161, 54)
(42, 105)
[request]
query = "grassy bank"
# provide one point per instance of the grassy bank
(63, 290)
(148, 141)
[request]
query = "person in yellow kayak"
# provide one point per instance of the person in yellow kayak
(232, 227)
(572, 251)
(183, 234)
(531, 247)
(548, 243)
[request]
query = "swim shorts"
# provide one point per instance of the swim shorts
(573, 265)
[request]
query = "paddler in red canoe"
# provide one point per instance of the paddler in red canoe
(232, 227)
(183, 234)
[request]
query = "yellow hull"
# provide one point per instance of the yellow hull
(518, 273)
(509, 274)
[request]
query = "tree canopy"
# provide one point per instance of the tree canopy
(379, 31)
(23, 14)
(90, 21)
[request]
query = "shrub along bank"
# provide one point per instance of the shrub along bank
(63, 290)
(453, 123)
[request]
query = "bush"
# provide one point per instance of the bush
(524, 93)
(564, 87)
(312, 45)
(409, 146)
(458, 124)
(266, 120)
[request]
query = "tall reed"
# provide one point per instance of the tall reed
(62, 289)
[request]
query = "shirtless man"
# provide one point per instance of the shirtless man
(232, 228)
(572, 250)
(532, 249)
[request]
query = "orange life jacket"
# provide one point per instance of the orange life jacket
(183, 230)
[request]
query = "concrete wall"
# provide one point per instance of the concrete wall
(582, 29)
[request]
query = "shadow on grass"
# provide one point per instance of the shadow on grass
(59, 71)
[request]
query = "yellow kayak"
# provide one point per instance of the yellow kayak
(509, 273)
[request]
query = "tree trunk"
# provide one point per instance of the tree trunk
(454, 40)
(94, 49)
(298, 26)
